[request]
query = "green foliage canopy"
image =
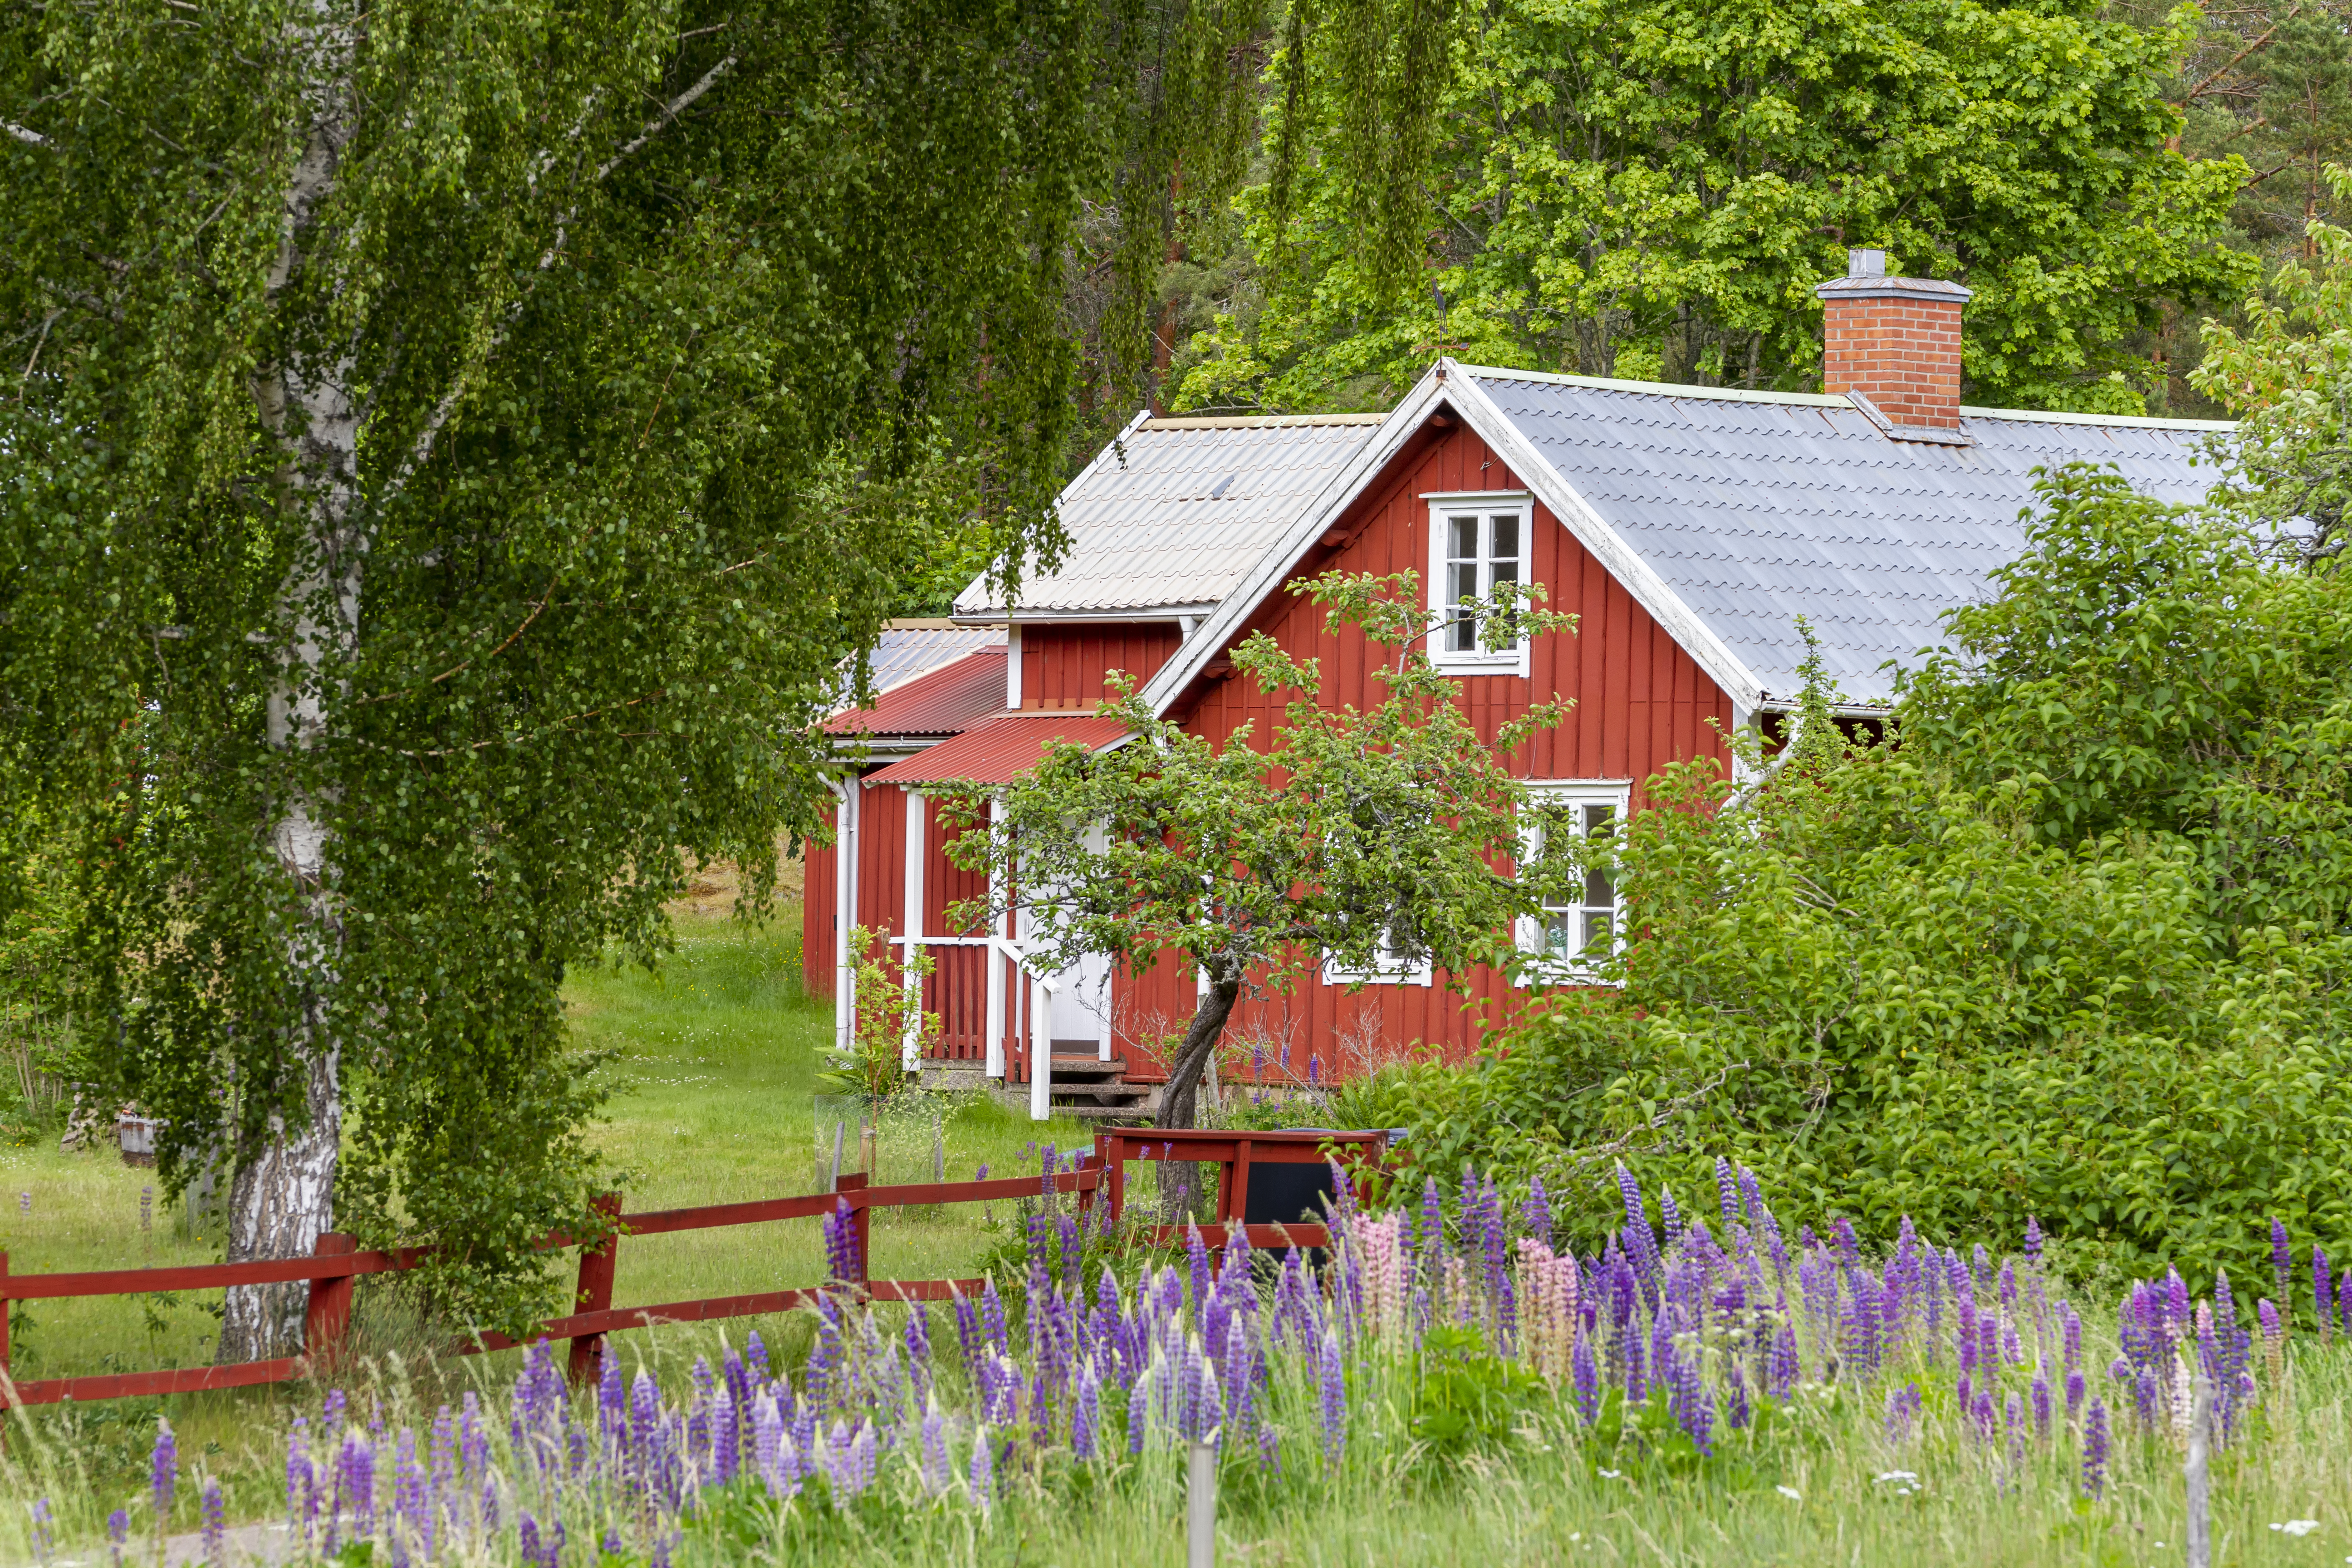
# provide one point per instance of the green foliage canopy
(2076, 947)
(1651, 188)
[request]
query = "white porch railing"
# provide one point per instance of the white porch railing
(1006, 959)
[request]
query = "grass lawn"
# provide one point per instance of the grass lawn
(713, 1073)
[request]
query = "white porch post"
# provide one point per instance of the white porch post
(1041, 1052)
(996, 960)
(918, 847)
(845, 912)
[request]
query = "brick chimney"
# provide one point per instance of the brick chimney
(1897, 341)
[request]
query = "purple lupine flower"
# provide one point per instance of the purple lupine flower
(117, 1531)
(1901, 1404)
(2095, 1451)
(1727, 1192)
(1641, 1242)
(611, 1396)
(2041, 1402)
(2070, 1335)
(1086, 1414)
(2281, 1254)
(164, 1471)
(2033, 1239)
(2074, 1387)
(2344, 1300)
(1782, 1367)
(356, 1480)
(409, 1514)
(1586, 1373)
(1537, 1212)
(1672, 1215)
(982, 1479)
(1736, 1411)
(841, 1243)
(528, 1534)
(2005, 1285)
(44, 1537)
(1196, 1260)
(755, 1355)
(726, 1433)
(1334, 1401)
(473, 1438)
(991, 1318)
(935, 1468)
(1687, 1397)
(298, 1468)
(2323, 1300)
(1139, 1413)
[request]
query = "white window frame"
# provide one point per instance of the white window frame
(1487, 504)
(1389, 968)
(1544, 965)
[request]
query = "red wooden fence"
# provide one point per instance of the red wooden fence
(336, 1262)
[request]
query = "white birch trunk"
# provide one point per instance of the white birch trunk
(282, 1193)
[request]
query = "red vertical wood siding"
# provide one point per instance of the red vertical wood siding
(1067, 666)
(817, 956)
(1641, 702)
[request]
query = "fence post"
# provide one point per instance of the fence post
(6, 1304)
(326, 1324)
(861, 1231)
(596, 1291)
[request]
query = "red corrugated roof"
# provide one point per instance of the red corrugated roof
(945, 702)
(993, 753)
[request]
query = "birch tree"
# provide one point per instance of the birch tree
(446, 451)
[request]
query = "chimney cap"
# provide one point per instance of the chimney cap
(1866, 264)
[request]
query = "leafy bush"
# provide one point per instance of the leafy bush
(2074, 948)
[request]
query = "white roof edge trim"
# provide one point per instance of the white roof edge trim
(1255, 421)
(2129, 421)
(1605, 545)
(1100, 615)
(1535, 472)
(1659, 388)
(1281, 556)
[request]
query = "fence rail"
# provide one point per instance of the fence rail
(336, 1262)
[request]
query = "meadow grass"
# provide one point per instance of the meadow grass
(712, 1062)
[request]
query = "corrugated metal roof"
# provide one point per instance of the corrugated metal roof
(1755, 510)
(941, 702)
(998, 750)
(1172, 515)
(909, 649)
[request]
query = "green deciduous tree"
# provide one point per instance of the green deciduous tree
(1357, 839)
(446, 450)
(1653, 188)
(2075, 947)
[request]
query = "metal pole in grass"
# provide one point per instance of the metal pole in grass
(1201, 1504)
(2200, 1526)
(833, 1182)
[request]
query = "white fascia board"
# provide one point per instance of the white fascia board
(1604, 544)
(1283, 556)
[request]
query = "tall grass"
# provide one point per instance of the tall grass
(1470, 1429)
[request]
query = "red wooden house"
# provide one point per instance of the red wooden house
(1689, 527)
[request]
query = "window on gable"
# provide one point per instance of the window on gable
(1581, 924)
(1393, 963)
(1480, 545)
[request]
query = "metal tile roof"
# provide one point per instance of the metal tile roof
(943, 701)
(1170, 515)
(997, 749)
(908, 649)
(1754, 510)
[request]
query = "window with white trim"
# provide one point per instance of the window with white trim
(1392, 965)
(1479, 543)
(1581, 922)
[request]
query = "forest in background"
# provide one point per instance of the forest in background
(1649, 189)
